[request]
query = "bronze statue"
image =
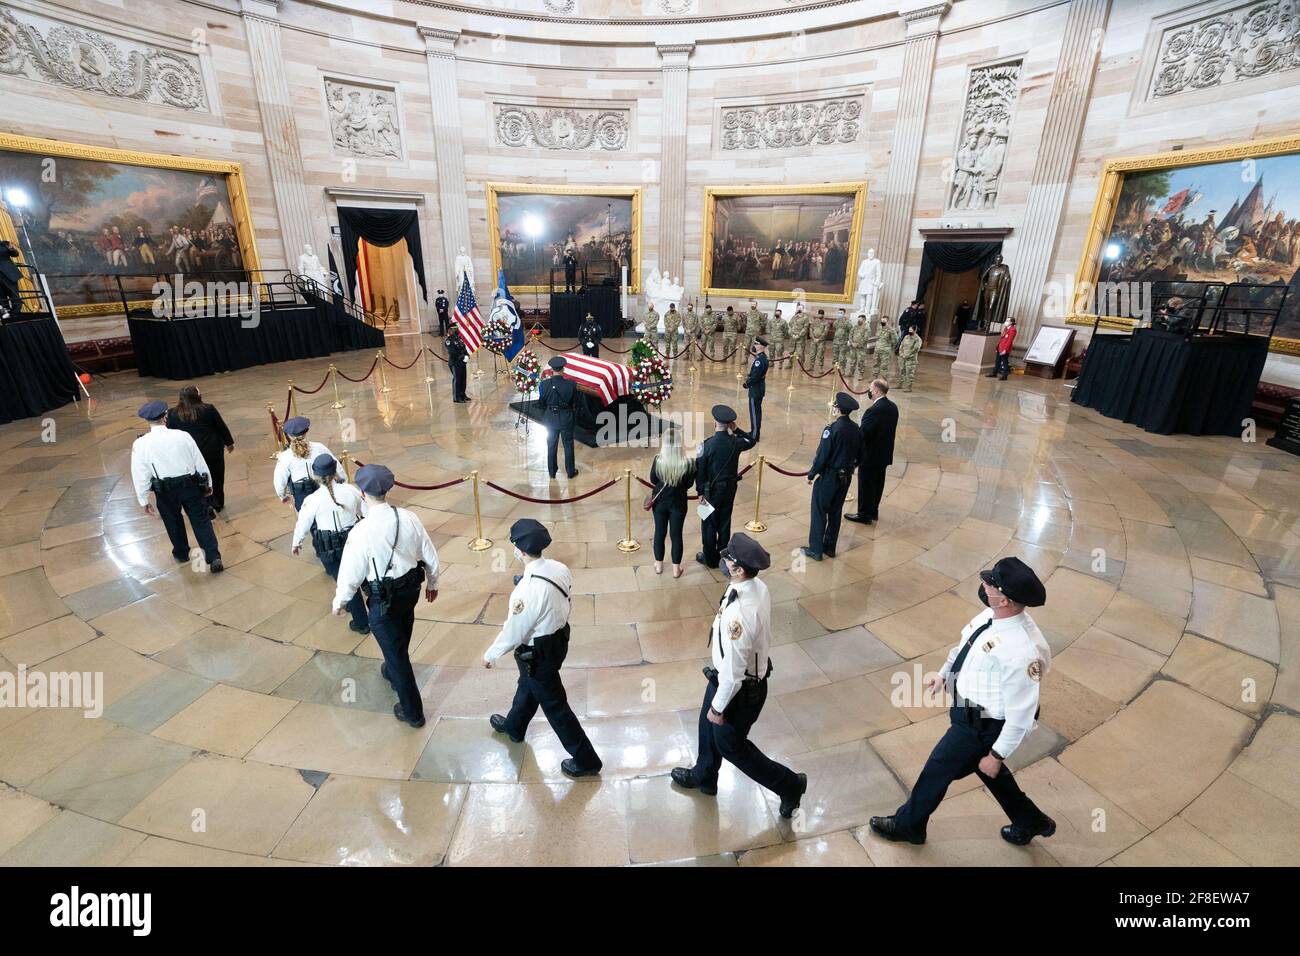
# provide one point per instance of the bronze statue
(994, 295)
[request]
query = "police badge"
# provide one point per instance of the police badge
(1035, 670)
(735, 630)
(517, 607)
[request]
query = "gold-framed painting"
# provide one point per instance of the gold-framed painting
(532, 228)
(1223, 214)
(774, 242)
(95, 216)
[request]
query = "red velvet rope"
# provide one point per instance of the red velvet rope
(804, 368)
(369, 372)
(313, 391)
(724, 358)
(652, 488)
(850, 388)
(550, 501)
(438, 357)
(403, 368)
(791, 474)
(276, 431)
(402, 484)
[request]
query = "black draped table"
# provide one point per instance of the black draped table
(1165, 382)
(191, 348)
(568, 309)
(36, 374)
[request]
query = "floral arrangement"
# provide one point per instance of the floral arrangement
(497, 336)
(652, 382)
(526, 371)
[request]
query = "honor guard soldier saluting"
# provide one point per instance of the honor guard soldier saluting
(293, 464)
(458, 359)
(830, 475)
(737, 683)
(389, 555)
(715, 481)
(329, 513)
(672, 322)
(994, 674)
(556, 396)
(167, 462)
(589, 335)
(537, 630)
(756, 383)
(441, 305)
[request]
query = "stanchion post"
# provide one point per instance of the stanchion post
(479, 543)
(628, 544)
(383, 376)
(276, 436)
(334, 375)
(757, 526)
(428, 375)
(292, 401)
(347, 466)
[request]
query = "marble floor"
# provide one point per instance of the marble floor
(244, 725)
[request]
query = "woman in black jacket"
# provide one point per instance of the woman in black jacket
(672, 475)
(205, 425)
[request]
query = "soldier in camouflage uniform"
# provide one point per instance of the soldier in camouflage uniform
(691, 326)
(708, 325)
(672, 322)
(799, 334)
(651, 331)
(777, 333)
(818, 331)
(886, 339)
(909, 354)
(840, 340)
(859, 339)
(730, 326)
(753, 326)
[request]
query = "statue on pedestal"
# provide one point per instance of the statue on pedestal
(994, 295)
(464, 266)
(662, 291)
(869, 284)
(309, 267)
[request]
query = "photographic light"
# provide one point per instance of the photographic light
(532, 225)
(17, 198)
(1113, 250)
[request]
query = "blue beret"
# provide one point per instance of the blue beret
(152, 411)
(324, 465)
(297, 426)
(557, 363)
(846, 402)
(748, 553)
(375, 479)
(724, 414)
(530, 536)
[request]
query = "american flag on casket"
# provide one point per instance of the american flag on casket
(609, 380)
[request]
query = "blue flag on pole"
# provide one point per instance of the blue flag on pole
(503, 307)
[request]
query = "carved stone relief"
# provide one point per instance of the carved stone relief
(985, 128)
(560, 7)
(1239, 43)
(802, 123)
(562, 128)
(364, 120)
(79, 58)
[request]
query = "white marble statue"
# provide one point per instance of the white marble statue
(661, 291)
(869, 284)
(464, 266)
(309, 266)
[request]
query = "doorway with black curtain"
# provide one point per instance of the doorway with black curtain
(383, 262)
(949, 286)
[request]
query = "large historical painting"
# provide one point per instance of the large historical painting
(773, 242)
(1230, 215)
(532, 226)
(95, 221)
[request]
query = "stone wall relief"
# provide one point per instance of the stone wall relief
(364, 120)
(991, 95)
(521, 126)
(796, 124)
(1236, 43)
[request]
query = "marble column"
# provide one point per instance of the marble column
(1067, 106)
(905, 156)
(279, 130)
(449, 152)
(672, 162)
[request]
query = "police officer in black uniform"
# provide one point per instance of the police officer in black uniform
(458, 359)
(716, 475)
(756, 382)
(589, 336)
(557, 396)
(830, 475)
(444, 316)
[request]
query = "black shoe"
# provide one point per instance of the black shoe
(828, 552)
(212, 513)
(401, 715)
(574, 473)
(216, 567)
(790, 804)
(685, 777)
(552, 477)
(991, 375)
(855, 517)
(1021, 835)
(359, 628)
(499, 725)
(699, 556)
(812, 554)
(887, 827)
(571, 769)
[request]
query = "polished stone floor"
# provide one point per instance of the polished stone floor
(244, 725)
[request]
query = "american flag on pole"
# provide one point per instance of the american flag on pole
(465, 314)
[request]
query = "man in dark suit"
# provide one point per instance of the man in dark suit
(879, 423)
(444, 317)
(716, 475)
(756, 382)
(556, 396)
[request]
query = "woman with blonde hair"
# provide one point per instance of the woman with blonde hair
(329, 513)
(672, 474)
(293, 473)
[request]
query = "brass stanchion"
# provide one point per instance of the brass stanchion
(478, 369)
(383, 376)
(428, 375)
(628, 544)
(292, 396)
(347, 465)
(277, 436)
(757, 526)
(334, 375)
(479, 543)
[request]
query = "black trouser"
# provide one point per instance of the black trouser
(444, 320)
(10, 299)
(828, 494)
(392, 631)
(570, 279)
(957, 755)
(756, 393)
(716, 528)
(559, 427)
(187, 496)
(593, 350)
(356, 606)
(1002, 367)
(540, 684)
(217, 469)
(730, 740)
(458, 376)
(871, 486)
(668, 521)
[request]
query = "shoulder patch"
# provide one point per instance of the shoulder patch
(517, 607)
(826, 433)
(736, 630)
(1035, 670)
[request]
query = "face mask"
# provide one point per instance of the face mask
(519, 555)
(984, 598)
(725, 569)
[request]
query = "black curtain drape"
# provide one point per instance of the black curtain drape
(380, 227)
(953, 257)
(36, 374)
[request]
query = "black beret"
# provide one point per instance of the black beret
(724, 414)
(846, 402)
(748, 553)
(530, 536)
(1017, 581)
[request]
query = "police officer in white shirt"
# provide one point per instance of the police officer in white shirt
(389, 555)
(293, 465)
(329, 513)
(737, 689)
(168, 462)
(994, 675)
(537, 630)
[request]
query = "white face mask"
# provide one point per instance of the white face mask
(519, 555)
